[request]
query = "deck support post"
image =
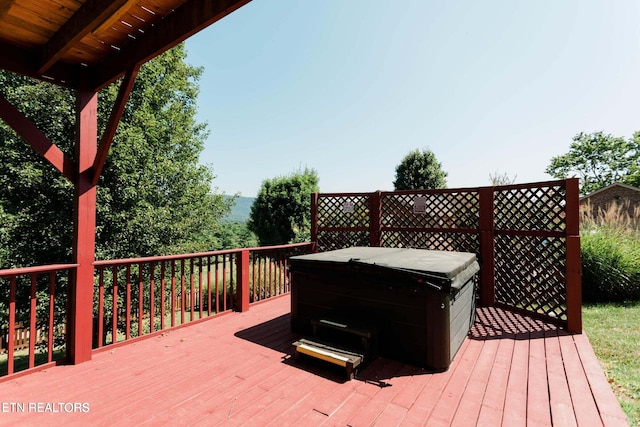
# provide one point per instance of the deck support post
(573, 273)
(314, 222)
(487, 247)
(243, 280)
(375, 215)
(80, 310)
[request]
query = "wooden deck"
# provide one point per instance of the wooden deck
(237, 369)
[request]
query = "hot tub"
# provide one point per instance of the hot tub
(422, 302)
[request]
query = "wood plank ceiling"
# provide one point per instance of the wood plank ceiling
(90, 43)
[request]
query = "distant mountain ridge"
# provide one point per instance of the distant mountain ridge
(241, 210)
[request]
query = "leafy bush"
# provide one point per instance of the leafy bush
(610, 257)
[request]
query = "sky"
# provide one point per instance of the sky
(350, 87)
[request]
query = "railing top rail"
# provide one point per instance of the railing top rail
(37, 269)
(193, 255)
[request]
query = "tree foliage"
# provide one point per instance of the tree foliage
(282, 211)
(153, 196)
(599, 160)
(420, 170)
(236, 234)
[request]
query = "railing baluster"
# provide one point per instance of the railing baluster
(192, 294)
(269, 261)
(162, 294)
(200, 286)
(173, 293)
(51, 323)
(99, 320)
(217, 288)
(253, 276)
(232, 269)
(224, 282)
(12, 324)
(152, 299)
(128, 304)
(209, 286)
(265, 279)
(33, 333)
(182, 289)
(140, 299)
(114, 308)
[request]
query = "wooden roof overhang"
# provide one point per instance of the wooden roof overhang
(87, 44)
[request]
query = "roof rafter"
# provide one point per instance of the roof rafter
(86, 19)
(188, 19)
(24, 62)
(5, 6)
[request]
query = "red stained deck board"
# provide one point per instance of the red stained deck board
(538, 404)
(515, 405)
(449, 400)
(346, 411)
(585, 408)
(237, 369)
(392, 415)
(493, 401)
(428, 398)
(471, 401)
(560, 399)
(608, 407)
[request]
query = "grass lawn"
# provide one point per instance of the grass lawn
(614, 332)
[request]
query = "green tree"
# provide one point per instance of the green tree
(420, 170)
(236, 234)
(153, 197)
(599, 160)
(282, 211)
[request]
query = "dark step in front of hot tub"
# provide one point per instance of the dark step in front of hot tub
(328, 352)
(341, 341)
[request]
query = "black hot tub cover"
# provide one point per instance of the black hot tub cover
(438, 269)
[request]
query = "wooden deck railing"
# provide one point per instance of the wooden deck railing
(136, 297)
(133, 298)
(32, 306)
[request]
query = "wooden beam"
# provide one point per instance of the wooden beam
(86, 19)
(188, 19)
(25, 62)
(80, 309)
(36, 139)
(5, 6)
(116, 113)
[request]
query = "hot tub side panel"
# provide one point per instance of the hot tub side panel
(413, 320)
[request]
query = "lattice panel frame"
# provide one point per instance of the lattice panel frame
(463, 242)
(349, 210)
(530, 274)
(529, 209)
(441, 210)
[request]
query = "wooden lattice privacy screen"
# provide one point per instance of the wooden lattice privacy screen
(526, 237)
